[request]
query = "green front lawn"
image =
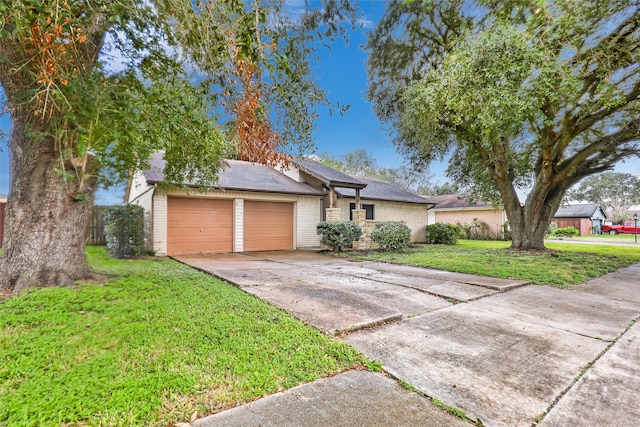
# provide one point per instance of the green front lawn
(151, 346)
(608, 238)
(567, 264)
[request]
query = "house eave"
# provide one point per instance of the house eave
(365, 198)
(249, 190)
(468, 208)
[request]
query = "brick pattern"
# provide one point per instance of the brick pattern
(493, 217)
(238, 225)
(367, 226)
(333, 214)
(160, 222)
(413, 214)
(305, 221)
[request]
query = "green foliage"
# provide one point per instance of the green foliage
(566, 232)
(361, 162)
(442, 234)
(450, 409)
(506, 231)
(177, 69)
(616, 192)
(477, 230)
(449, 107)
(564, 265)
(518, 95)
(438, 189)
(391, 236)
(154, 344)
(358, 162)
(339, 234)
(124, 230)
(551, 228)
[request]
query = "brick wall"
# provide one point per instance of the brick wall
(333, 214)
(493, 217)
(413, 214)
(238, 225)
(159, 222)
(367, 226)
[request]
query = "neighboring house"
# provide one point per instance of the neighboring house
(460, 208)
(587, 218)
(259, 208)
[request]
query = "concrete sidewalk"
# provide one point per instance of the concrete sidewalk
(503, 353)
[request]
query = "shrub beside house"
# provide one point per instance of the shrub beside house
(462, 210)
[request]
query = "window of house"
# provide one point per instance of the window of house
(369, 209)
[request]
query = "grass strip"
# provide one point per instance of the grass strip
(565, 265)
(151, 346)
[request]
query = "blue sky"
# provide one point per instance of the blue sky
(342, 73)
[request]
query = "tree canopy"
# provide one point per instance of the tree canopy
(522, 96)
(616, 192)
(116, 80)
(361, 162)
(94, 87)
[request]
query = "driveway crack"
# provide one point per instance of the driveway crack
(584, 370)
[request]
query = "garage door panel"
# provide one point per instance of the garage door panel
(268, 226)
(197, 226)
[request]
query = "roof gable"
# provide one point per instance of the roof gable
(458, 201)
(328, 175)
(579, 211)
(379, 190)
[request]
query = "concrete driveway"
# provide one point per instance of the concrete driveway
(505, 353)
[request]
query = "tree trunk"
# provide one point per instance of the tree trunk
(529, 234)
(529, 223)
(44, 224)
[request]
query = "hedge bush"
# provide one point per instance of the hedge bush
(124, 230)
(391, 236)
(339, 234)
(566, 232)
(477, 230)
(442, 234)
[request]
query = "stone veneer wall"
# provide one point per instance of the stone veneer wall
(332, 214)
(367, 226)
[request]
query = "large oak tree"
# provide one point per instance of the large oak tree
(531, 96)
(94, 87)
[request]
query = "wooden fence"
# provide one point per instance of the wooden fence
(95, 228)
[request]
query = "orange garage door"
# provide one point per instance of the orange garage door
(268, 226)
(199, 226)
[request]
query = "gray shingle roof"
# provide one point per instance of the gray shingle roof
(452, 201)
(328, 175)
(246, 176)
(577, 211)
(378, 190)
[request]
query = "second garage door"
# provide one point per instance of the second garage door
(199, 226)
(268, 226)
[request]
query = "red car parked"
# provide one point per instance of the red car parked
(627, 228)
